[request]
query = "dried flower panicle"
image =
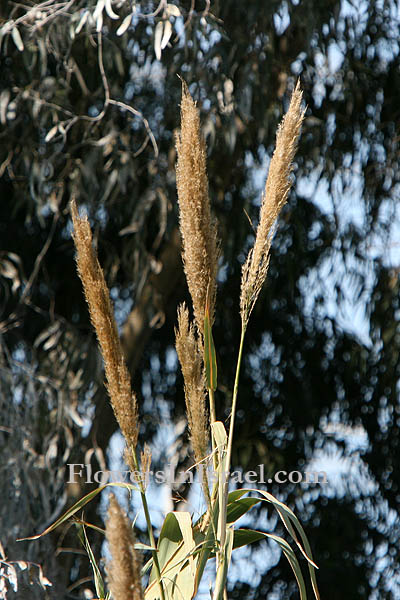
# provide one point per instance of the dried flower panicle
(129, 460)
(198, 228)
(123, 571)
(275, 197)
(140, 473)
(123, 400)
(191, 361)
(145, 464)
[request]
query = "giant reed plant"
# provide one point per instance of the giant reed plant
(180, 554)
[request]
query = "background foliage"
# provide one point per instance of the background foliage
(90, 112)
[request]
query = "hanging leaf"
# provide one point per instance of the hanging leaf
(172, 10)
(82, 21)
(166, 35)
(4, 100)
(292, 525)
(110, 11)
(16, 36)
(125, 24)
(243, 537)
(158, 35)
(51, 133)
(99, 23)
(99, 9)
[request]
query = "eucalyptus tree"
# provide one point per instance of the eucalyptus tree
(89, 107)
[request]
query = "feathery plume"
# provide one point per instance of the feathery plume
(275, 197)
(198, 228)
(123, 570)
(190, 358)
(123, 400)
(145, 464)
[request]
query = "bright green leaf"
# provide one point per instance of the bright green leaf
(239, 508)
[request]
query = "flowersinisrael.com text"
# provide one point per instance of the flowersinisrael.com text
(171, 477)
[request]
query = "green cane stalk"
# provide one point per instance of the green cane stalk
(226, 551)
(149, 525)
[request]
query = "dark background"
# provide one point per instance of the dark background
(321, 373)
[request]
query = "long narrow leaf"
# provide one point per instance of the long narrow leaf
(77, 506)
(90, 525)
(288, 517)
(239, 508)
(292, 524)
(98, 580)
(243, 537)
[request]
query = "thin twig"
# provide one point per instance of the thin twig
(206, 9)
(53, 15)
(145, 122)
(162, 4)
(39, 259)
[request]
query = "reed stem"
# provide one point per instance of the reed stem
(225, 474)
(234, 400)
(149, 525)
(213, 418)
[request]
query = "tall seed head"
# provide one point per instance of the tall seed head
(123, 400)
(198, 228)
(123, 570)
(275, 197)
(190, 358)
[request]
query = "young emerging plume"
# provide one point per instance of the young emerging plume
(190, 358)
(123, 570)
(123, 400)
(198, 228)
(275, 197)
(145, 464)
